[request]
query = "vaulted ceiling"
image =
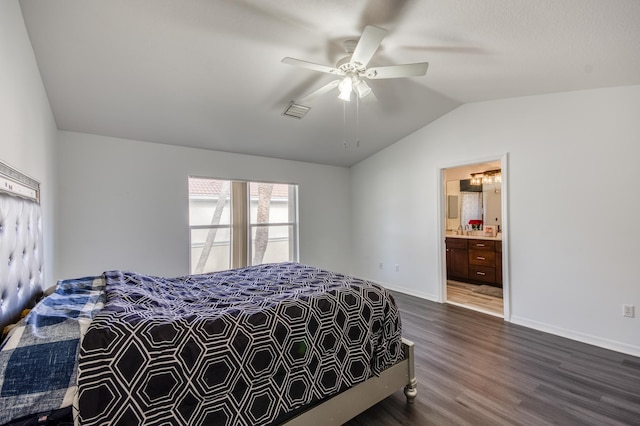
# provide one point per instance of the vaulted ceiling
(207, 73)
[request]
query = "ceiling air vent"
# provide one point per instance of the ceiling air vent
(296, 111)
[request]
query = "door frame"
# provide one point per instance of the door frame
(442, 222)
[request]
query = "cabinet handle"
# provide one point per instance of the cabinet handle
(479, 245)
(480, 258)
(480, 273)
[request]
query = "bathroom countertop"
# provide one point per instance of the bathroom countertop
(475, 237)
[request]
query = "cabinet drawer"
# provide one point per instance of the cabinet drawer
(482, 273)
(482, 257)
(456, 243)
(499, 246)
(482, 245)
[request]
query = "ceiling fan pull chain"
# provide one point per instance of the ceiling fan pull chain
(357, 121)
(344, 124)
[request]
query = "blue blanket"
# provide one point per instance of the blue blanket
(38, 359)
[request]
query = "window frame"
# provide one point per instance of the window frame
(240, 234)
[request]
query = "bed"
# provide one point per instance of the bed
(278, 343)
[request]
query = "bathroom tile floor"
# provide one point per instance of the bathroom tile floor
(462, 294)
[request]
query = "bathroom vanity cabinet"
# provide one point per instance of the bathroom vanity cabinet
(457, 259)
(473, 260)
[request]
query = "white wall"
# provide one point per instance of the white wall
(27, 127)
(573, 205)
(124, 204)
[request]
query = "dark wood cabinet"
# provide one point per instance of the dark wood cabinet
(457, 258)
(486, 245)
(483, 274)
(482, 258)
(475, 261)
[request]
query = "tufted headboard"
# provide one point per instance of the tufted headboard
(21, 259)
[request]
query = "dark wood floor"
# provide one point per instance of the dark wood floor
(475, 369)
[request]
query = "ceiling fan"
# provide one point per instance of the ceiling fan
(353, 70)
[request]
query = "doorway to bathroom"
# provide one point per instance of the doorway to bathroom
(473, 229)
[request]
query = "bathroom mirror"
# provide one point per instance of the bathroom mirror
(491, 204)
(488, 196)
(452, 207)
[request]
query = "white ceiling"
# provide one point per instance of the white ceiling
(207, 73)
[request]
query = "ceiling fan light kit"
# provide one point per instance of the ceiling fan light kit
(363, 89)
(345, 87)
(353, 68)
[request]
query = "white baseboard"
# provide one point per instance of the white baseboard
(577, 336)
(410, 292)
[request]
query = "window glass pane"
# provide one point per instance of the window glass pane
(209, 205)
(271, 244)
(210, 250)
(270, 203)
(209, 202)
(226, 232)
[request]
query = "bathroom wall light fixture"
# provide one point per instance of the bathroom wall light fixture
(490, 176)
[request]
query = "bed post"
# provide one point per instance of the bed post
(411, 389)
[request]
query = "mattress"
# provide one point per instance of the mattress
(247, 346)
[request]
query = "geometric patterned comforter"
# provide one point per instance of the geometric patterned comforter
(247, 346)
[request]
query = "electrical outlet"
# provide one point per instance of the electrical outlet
(397, 268)
(380, 265)
(628, 311)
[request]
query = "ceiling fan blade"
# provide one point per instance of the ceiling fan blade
(321, 91)
(311, 66)
(396, 71)
(368, 44)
